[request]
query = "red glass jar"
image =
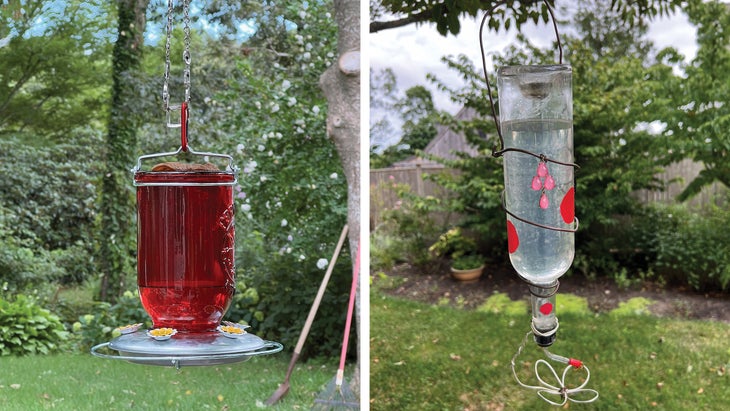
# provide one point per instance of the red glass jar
(185, 247)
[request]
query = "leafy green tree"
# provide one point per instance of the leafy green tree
(54, 67)
(420, 119)
(383, 97)
(705, 114)
(420, 115)
(117, 204)
(504, 13)
(292, 193)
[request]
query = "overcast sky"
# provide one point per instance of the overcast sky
(412, 51)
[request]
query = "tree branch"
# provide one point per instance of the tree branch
(422, 17)
(430, 15)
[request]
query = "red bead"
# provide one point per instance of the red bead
(544, 202)
(536, 183)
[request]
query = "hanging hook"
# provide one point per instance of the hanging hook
(495, 152)
(184, 126)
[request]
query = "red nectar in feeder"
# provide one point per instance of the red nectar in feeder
(185, 243)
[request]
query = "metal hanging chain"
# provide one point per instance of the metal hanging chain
(168, 36)
(186, 57)
(186, 50)
(182, 121)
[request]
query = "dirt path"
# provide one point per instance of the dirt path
(602, 294)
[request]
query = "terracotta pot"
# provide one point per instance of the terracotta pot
(467, 276)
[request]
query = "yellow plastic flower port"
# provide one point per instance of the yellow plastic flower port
(161, 334)
(232, 330)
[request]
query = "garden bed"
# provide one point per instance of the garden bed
(602, 294)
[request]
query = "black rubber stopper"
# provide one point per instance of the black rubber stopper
(545, 341)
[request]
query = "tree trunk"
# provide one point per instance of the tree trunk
(341, 86)
(116, 238)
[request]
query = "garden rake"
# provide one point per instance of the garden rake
(338, 395)
(284, 387)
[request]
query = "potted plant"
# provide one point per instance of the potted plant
(467, 268)
(467, 264)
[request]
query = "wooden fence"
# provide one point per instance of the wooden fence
(685, 171)
(383, 197)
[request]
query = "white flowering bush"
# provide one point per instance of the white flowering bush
(291, 198)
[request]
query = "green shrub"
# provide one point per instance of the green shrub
(286, 290)
(99, 325)
(47, 211)
(412, 233)
(407, 230)
(24, 268)
(27, 328)
(48, 191)
(74, 262)
(244, 306)
(687, 247)
(468, 262)
(384, 252)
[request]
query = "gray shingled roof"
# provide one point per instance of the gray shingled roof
(445, 144)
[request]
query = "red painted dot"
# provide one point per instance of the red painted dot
(513, 241)
(567, 206)
(546, 308)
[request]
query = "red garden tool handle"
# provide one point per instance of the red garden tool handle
(350, 309)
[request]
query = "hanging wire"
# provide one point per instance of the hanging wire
(502, 150)
(498, 153)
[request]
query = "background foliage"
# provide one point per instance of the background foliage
(27, 328)
(636, 110)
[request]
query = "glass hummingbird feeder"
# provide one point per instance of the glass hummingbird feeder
(185, 255)
(535, 129)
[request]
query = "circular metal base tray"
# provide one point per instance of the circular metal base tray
(207, 348)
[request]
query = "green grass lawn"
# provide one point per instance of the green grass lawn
(84, 382)
(426, 357)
